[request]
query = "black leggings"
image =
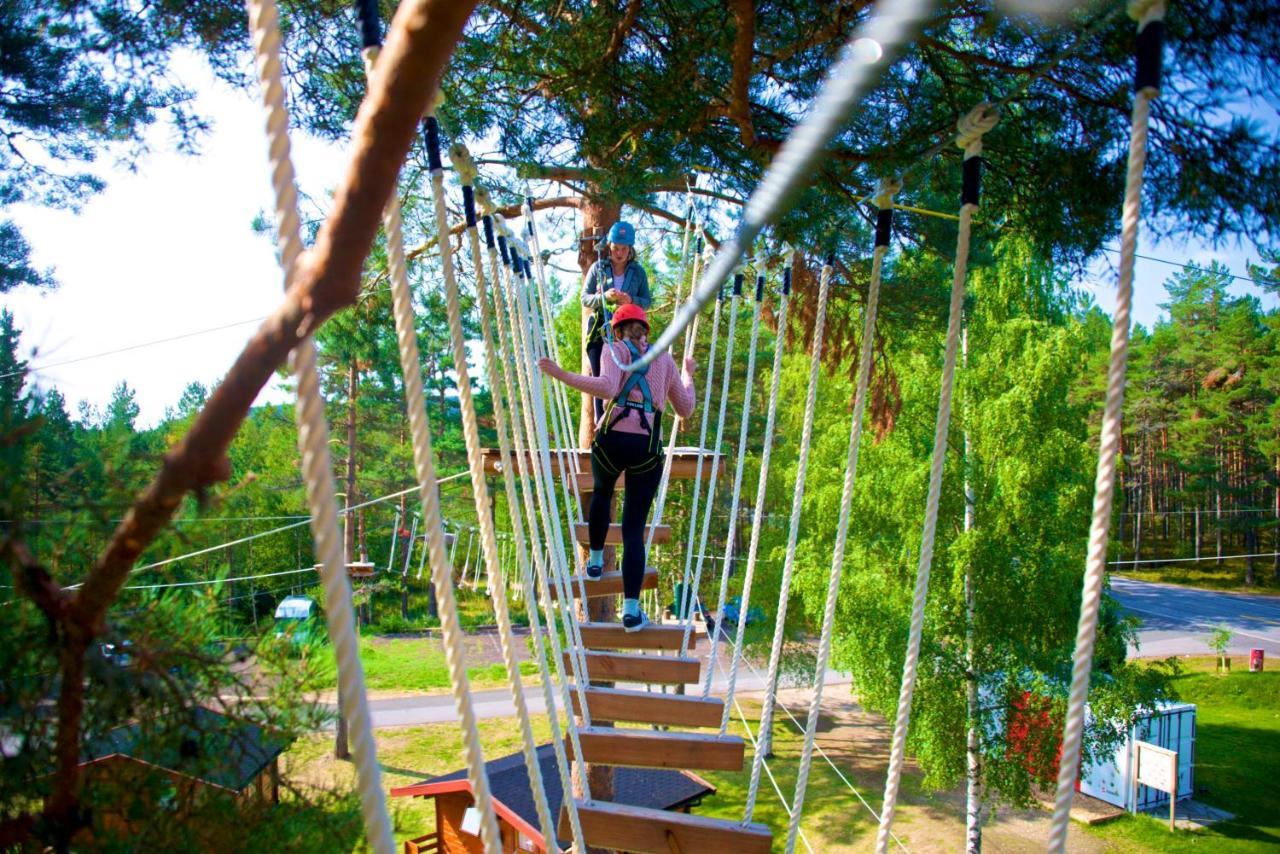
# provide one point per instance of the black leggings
(612, 453)
(594, 351)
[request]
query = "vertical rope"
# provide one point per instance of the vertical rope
(885, 203)
(1150, 15)
(689, 341)
(691, 596)
(488, 558)
(542, 558)
(424, 464)
(744, 425)
(971, 129)
(797, 503)
(715, 461)
(313, 444)
(762, 491)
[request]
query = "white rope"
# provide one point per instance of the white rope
(743, 428)
(536, 433)
(529, 323)
(971, 128)
(1108, 448)
(797, 504)
(313, 444)
(715, 467)
(480, 493)
(762, 490)
(424, 465)
(541, 557)
(885, 202)
(869, 51)
(691, 596)
(660, 501)
(751, 737)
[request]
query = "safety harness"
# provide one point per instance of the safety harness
(636, 379)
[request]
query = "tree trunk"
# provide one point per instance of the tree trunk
(597, 216)
(973, 745)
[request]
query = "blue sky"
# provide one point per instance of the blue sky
(169, 250)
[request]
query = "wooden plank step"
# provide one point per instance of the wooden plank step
(654, 636)
(639, 667)
(645, 707)
(661, 534)
(609, 584)
(648, 831)
(646, 748)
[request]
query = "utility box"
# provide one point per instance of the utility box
(1110, 778)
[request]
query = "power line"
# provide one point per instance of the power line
(1186, 265)
(1187, 559)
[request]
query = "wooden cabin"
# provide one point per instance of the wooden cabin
(654, 788)
(176, 763)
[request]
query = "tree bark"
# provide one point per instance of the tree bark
(341, 749)
(597, 216)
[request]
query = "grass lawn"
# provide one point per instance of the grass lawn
(1237, 765)
(1229, 578)
(415, 665)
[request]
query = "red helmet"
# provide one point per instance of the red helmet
(629, 312)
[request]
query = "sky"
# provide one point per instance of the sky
(169, 250)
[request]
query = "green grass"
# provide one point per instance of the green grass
(1229, 578)
(406, 755)
(414, 665)
(1237, 765)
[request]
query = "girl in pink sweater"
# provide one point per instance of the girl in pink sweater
(628, 439)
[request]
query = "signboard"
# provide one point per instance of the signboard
(1157, 767)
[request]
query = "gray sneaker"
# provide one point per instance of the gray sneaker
(634, 624)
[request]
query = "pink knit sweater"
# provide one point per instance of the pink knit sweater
(664, 384)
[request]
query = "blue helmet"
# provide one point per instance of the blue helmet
(623, 233)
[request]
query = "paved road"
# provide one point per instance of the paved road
(1177, 620)
(403, 711)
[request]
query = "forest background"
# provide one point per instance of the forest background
(1201, 467)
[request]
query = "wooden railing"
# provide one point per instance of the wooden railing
(429, 844)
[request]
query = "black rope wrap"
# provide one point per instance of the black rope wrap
(786, 281)
(431, 128)
(1150, 53)
(488, 231)
(502, 250)
(972, 181)
(738, 279)
(831, 259)
(370, 29)
(469, 205)
(760, 288)
(528, 269)
(884, 226)
(528, 226)
(699, 249)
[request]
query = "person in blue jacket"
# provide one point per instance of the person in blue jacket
(613, 281)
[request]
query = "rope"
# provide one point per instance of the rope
(1149, 14)
(479, 486)
(715, 464)
(536, 430)
(744, 426)
(885, 202)
(541, 557)
(424, 464)
(313, 444)
(971, 128)
(797, 503)
(865, 56)
(691, 596)
(660, 500)
(762, 490)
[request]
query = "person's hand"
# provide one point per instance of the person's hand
(548, 366)
(690, 365)
(621, 297)
(611, 295)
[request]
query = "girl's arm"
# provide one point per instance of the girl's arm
(604, 386)
(680, 392)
